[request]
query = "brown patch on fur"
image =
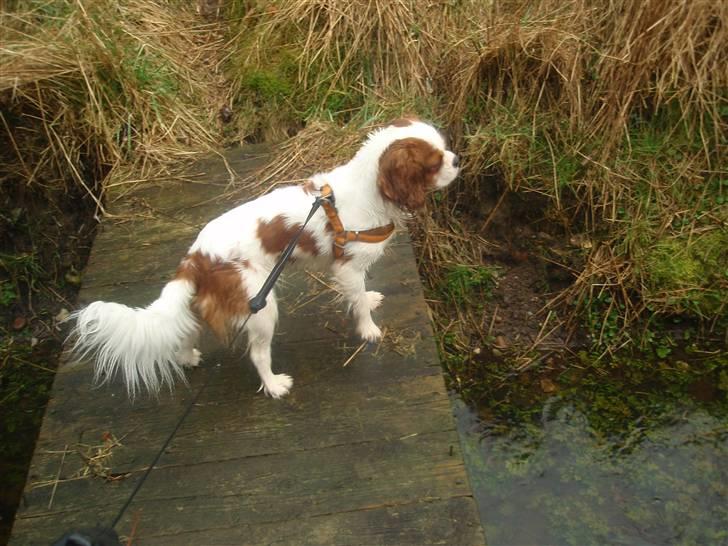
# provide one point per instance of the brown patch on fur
(308, 187)
(220, 295)
(407, 171)
(276, 234)
(404, 121)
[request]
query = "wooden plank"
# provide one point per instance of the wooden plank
(256, 490)
(234, 425)
(417, 523)
(277, 487)
(157, 213)
(435, 521)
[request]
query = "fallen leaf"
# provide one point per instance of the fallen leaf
(547, 385)
(19, 323)
(500, 342)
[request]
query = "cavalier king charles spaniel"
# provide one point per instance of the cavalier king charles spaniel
(388, 178)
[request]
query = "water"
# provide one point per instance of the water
(558, 481)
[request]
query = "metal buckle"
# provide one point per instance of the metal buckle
(327, 198)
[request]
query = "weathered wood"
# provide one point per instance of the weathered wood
(362, 454)
(277, 487)
(430, 522)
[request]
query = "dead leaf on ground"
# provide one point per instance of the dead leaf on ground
(547, 385)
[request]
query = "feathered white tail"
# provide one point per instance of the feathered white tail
(139, 343)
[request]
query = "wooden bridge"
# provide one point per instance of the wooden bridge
(363, 451)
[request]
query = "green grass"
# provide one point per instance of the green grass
(8, 293)
(472, 284)
(691, 272)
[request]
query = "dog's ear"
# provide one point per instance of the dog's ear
(407, 171)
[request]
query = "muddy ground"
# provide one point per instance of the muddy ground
(45, 240)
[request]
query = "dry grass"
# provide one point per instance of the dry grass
(317, 147)
(296, 60)
(331, 35)
(95, 93)
(97, 463)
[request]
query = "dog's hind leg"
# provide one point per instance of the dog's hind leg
(260, 328)
(188, 355)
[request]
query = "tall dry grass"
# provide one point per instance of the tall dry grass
(616, 112)
(296, 60)
(101, 94)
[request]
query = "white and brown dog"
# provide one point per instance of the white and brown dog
(389, 177)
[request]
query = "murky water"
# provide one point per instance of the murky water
(560, 482)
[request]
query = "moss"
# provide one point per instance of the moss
(691, 272)
(616, 397)
(466, 283)
(267, 85)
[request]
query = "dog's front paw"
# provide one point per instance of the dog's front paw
(278, 386)
(189, 359)
(374, 299)
(369, 332)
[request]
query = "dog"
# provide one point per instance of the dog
(388, 178)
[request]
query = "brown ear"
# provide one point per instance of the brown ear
(407, 170)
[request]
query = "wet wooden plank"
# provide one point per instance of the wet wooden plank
(156, 214)
(420, 522)
(233, 424)
(291, 484)
(413, 524)
(366, 453)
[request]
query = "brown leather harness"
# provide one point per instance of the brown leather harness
(343, 236)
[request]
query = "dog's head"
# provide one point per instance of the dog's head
(415, 162)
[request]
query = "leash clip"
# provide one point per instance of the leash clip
(326, 196)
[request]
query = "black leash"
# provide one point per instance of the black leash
(256, 304)
(161, 450)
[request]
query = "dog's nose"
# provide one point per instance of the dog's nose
(455, 161)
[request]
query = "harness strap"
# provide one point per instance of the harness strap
(343, 236)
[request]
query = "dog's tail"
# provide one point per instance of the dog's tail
(140, 344)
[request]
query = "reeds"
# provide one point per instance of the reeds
(95, 92)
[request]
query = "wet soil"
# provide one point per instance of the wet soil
(45, 239)
(536, 258)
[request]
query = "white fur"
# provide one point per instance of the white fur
(141, 343)
(150, 346)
